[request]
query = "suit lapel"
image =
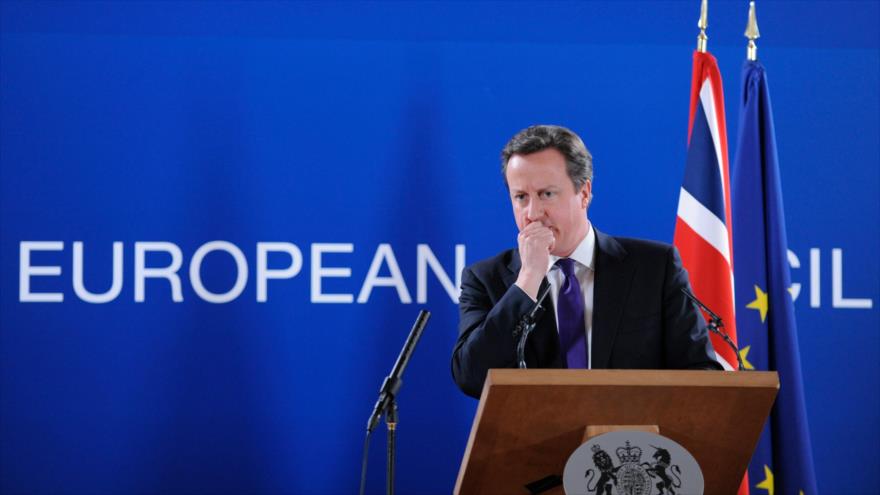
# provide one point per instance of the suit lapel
(613, 279)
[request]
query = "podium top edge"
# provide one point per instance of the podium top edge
(635, 378)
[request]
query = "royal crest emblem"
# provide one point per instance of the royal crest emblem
(630, 474)
(628, 478)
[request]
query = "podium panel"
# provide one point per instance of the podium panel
(529, 421)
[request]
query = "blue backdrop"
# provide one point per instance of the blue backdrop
(359, 135)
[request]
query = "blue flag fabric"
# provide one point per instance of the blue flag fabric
(766, 327)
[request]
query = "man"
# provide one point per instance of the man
(614, 302)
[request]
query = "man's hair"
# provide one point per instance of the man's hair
(578, 160)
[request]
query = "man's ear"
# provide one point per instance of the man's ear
(586, 194)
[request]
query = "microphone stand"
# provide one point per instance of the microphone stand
(391, 422)
(525, 327)
(387, 404)
(715, 326)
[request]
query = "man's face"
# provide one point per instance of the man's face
(541, 191)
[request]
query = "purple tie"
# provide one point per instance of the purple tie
(570, 313)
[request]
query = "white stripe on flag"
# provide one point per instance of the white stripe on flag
(708, 101)
(724, 364)
(704, 223)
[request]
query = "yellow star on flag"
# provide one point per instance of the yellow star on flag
(767, 484)
(760, 303)
(743, 354)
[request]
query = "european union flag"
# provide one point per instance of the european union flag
(783, 460)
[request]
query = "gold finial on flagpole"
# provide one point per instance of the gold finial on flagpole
(703, 24)
(752, 33)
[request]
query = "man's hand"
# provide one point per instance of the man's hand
(535, 243)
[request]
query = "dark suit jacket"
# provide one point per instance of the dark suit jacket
(641, 319)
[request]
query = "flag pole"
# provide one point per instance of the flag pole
(752, 34)
(703, 23)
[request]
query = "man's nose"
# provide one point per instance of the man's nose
(535, 211)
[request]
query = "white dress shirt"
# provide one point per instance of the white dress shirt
(584, 256)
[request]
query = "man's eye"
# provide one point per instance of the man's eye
(548, 194)
(519, 197)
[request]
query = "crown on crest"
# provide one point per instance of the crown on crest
(628, 454)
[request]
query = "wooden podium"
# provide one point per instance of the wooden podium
(530, 421)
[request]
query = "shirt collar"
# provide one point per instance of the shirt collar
(584, 253)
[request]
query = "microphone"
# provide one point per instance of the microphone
(392, 382)
(715, 326)
(528, 323)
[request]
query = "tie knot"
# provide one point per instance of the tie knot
(567, 266)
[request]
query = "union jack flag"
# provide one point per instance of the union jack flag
(703, 227)
(703, 224)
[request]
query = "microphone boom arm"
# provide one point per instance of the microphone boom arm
(715, 326)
